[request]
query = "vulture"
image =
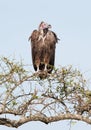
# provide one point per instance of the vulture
(43, 44)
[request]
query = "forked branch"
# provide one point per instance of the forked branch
(24, 97)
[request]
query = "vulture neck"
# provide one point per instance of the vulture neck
(45, 31)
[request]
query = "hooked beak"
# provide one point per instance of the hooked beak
(49, 26)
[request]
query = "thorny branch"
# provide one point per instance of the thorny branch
(40, 96)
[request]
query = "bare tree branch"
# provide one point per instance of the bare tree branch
(24, 97)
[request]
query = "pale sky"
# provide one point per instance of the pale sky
(70, 20)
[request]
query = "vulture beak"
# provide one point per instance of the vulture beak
(49, 26)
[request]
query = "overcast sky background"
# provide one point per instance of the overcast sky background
(70, 20)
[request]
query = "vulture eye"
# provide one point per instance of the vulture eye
(44, 25)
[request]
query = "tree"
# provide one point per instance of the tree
(27, 96)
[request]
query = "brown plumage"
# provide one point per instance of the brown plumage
(43, 43)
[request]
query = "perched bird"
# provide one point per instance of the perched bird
(43, 44)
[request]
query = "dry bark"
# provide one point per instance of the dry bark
(25, 97)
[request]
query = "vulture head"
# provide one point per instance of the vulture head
(44, 25)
